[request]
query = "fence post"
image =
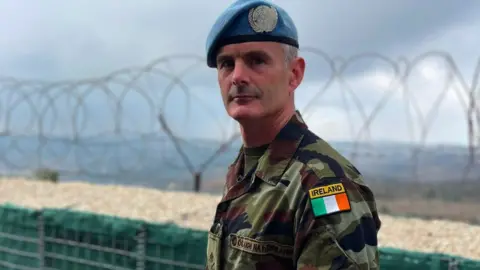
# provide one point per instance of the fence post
(450, 262)
(41, 239)
(197, 179)
(141, 247)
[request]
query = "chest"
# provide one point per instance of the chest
(264, 213)
(255, 229)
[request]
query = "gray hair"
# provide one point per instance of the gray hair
(290, 53)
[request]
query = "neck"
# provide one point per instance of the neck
(259, 132)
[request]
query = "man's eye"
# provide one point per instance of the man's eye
(257, 61)
(226, 64)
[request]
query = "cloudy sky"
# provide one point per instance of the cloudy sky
(84, 41)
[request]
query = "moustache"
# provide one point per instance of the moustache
(243, 91)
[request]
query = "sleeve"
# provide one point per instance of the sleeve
(335, 228)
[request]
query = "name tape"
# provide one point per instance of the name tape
(260, 247)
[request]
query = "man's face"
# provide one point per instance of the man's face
(254, 79)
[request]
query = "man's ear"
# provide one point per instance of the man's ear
(297, 73)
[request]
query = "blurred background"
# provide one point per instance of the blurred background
(118, 92)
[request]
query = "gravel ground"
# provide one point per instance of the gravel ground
(196, 211)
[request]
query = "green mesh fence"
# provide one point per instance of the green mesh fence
(63, 239)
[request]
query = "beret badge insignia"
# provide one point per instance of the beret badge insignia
(263, 18)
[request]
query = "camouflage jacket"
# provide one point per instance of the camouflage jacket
(303, 206)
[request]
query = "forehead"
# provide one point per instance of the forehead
(272, 49)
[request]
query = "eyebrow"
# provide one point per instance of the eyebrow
(223, 57)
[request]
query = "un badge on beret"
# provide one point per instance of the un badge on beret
(263, 18)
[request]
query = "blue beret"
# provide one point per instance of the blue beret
(250, 20)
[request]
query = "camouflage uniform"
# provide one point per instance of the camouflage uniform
(266, 219)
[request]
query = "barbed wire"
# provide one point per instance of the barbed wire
(49, 124)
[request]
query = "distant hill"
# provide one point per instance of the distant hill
(153, 161)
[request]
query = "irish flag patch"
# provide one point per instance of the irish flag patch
(329, 199)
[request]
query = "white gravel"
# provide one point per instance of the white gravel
(196, 211)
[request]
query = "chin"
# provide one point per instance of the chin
(244, 112)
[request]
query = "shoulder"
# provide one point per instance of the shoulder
(323, 164)
(335, 209)
(321, 158)
(330, 188)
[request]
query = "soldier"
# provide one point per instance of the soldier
(291, 201)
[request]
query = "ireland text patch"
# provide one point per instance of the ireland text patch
(329, 199)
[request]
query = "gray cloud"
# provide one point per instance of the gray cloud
(83, 38)
(377, 25)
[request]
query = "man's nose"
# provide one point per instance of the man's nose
(240, 74)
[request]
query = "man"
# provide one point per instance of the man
(290, 201)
